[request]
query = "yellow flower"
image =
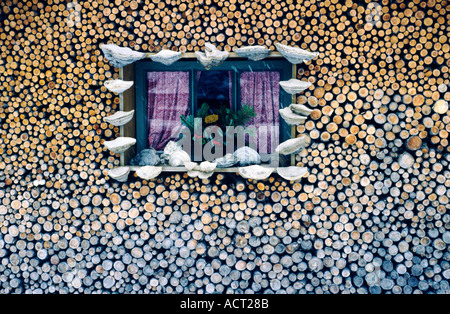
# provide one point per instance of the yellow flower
(211, 118)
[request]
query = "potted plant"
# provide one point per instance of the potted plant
(208, 123)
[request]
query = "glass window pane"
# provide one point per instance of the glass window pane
(261, 90)
(168, 99)
(214, 88)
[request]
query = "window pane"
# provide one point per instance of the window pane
(214, 88)
(261, 90)
(168, 99)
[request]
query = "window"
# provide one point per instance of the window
(165, 93)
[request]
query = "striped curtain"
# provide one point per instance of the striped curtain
(262, 91)
(168, 99)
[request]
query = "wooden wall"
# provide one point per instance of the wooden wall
(378, 157)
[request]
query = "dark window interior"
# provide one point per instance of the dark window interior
(214, 88)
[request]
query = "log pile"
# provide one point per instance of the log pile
(371, 217)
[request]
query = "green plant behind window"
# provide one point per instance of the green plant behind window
(221, 117)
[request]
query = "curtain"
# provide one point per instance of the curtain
(168, 99)
(261, 90)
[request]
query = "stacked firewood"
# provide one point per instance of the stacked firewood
(370, 217)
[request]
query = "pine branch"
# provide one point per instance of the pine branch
(188, 121)
(244, 115)
(203, 111)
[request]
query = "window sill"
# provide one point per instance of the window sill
(288, 173)
(218, 170)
